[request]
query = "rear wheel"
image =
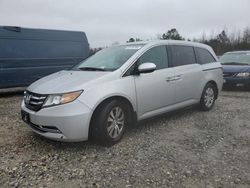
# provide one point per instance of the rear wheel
(208, 97)
(110, 121)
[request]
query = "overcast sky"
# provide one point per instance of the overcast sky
(107, 21)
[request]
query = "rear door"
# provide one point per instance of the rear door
(188, 73)
(154, 90)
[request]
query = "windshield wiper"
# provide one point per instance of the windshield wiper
(234, 63)
(92, 69)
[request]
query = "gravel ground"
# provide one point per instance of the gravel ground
(187, 148)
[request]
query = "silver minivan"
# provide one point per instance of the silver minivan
(120, 85)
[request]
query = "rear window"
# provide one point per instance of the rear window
(182, 55)
(204, 56)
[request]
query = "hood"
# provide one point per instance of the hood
(64, 81)
(236, 68)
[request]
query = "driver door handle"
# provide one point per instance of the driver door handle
(170, 79)
(174, 78)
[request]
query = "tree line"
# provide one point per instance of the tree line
(221, 43)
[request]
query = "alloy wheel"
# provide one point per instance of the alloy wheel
(115, 122)
(209, 97)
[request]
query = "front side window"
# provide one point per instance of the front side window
(109, 59)
(204, 56)
(182, 55)
(157, 55)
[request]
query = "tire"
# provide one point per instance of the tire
(110, 121)
(208, 97)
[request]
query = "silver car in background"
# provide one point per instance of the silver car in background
(120, 85)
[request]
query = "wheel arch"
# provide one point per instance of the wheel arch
(98, 107)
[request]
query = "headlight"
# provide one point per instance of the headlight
(243, 74)
(58, 99)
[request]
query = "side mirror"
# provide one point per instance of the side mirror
(146, 68)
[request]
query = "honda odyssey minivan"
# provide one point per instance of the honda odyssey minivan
(117, 86)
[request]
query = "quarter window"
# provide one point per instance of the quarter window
(157, 55)
(182, 55)
(204, 56)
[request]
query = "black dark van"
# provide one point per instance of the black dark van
(29, 54)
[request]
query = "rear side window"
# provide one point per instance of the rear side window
(182, 55)
(157, 55)
(204, 56)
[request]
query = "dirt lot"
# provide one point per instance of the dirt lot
(187, 148)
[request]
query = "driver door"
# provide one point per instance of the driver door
(155, 91)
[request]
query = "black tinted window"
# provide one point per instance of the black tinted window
(204, 56)
(156, 55)
(182, 55)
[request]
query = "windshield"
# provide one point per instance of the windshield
(242, 58)
(108, 59)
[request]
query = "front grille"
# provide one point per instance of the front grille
(34, 101)
(228, 74)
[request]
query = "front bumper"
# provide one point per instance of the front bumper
(68, 122)
(236, 82)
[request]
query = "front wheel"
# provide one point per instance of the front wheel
(208, 97)
(110, 123)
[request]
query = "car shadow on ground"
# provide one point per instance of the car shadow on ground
(59, 145)
(236, 89)
(155, 121)
(12, 92)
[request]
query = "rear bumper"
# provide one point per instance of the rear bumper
(69, 122)
(236, 82)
